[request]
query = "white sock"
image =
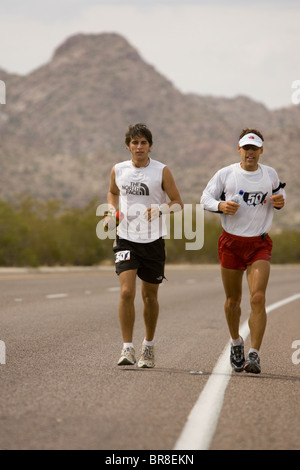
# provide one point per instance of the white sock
(253, 350)
(148, 343)
(237, 342)
(128, 345)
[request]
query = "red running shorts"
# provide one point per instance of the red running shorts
(239, 252)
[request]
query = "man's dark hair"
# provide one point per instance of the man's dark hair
(138, 130)
(251, 131)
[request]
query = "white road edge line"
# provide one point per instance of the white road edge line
(56, 296)
(201, 424)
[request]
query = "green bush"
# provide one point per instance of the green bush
(36, 233)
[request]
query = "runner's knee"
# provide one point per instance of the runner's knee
(233, 303)
(149, 299)
(257, 299)
(127, 295)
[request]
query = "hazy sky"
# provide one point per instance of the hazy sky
(208, 47)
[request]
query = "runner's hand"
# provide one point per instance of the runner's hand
(152, 213)
(228, 207)
(277, 200)
(109, 220)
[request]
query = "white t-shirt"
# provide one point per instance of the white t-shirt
(255, 214)
(140, 188)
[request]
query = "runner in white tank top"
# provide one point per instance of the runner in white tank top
(140, 187)
(245, 244)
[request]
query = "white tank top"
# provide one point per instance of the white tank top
(140, 188)
(255, 214)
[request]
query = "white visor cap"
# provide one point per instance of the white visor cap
(251, 139)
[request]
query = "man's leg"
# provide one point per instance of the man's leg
(232, 282)
(151, 310)
(126, 305)
(258, 277)
(127, 316)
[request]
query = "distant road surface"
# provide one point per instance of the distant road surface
(61, 387)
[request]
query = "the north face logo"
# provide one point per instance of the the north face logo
(138, 189)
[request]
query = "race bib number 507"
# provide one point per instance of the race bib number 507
(122, 256)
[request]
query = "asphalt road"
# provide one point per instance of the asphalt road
(61, 387)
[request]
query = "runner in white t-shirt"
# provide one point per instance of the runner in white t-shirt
(245, 243)
(140, 188)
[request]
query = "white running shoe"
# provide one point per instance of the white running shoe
(147, 357)
(127, 357)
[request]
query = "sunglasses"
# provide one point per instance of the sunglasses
(250, 147)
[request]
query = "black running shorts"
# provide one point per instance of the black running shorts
(148, 258)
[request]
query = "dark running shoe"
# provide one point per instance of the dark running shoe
(252, 363)
(237, 357)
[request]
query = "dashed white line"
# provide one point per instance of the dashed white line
(203, 419)
(56, 296)
(113, 289)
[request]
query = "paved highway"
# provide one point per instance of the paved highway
(61, 387)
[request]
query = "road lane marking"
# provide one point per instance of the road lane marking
(56, 296)
(202, 421)
(113, 289)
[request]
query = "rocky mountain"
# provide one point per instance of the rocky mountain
(63, 125)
